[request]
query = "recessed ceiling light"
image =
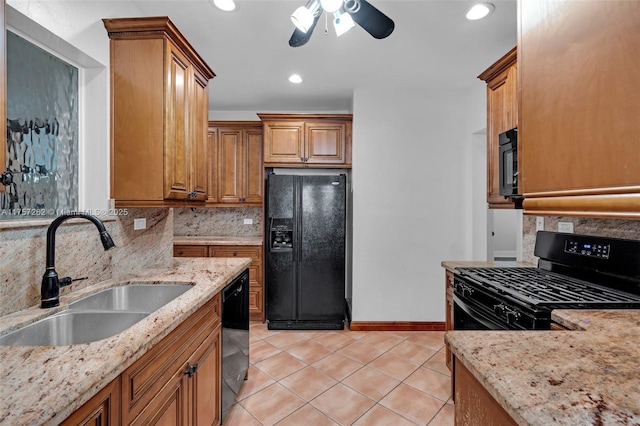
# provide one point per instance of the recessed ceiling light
(226, 5)
(479, 11)
(295, 78)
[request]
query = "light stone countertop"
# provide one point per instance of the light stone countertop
(44, 385)
(451, 265)
(590, 376)
(212, 240)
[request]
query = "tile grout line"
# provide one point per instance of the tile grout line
(304, 339)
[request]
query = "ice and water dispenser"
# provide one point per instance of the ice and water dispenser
(281, 235)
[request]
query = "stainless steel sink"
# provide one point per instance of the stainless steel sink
(96, 317)
(134, 298)
(71, 328)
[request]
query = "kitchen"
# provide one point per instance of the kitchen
(435, 223)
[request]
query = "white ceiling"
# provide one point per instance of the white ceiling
(433, 47)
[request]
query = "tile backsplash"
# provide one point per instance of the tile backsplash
(615, 228)
(79, 253)
(218, 221)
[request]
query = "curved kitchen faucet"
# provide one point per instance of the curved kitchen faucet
(50, 288)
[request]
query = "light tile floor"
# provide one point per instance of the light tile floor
(361, 378)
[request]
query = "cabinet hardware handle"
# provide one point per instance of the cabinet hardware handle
(191, 370)
(235, 253)
(193, 194)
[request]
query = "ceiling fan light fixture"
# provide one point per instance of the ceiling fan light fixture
(479, 11)
(226, 5)
(331, 5)
(342, 22)
(302, 18)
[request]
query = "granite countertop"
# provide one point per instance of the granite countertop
(589, 375)
(44, 385)
(213, 240)
(451, 265)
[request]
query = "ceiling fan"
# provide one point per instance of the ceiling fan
(345, 13)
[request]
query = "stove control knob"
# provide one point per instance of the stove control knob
(462, 289)
(512, 316)
(466, 290)
(499, 309)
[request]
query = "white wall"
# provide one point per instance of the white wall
(507, 227)
(410, 200)
(477, 134)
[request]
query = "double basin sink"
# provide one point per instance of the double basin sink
(97, 316)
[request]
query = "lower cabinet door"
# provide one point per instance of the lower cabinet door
(101, 410)
(206, 382)
(169, 407)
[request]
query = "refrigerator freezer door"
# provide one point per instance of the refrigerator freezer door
(281, 292)
(321, 254)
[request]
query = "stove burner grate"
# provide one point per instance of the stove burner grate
(540, 288)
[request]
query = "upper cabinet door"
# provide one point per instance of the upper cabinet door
(212, 165)
(307, 140)
(230, 165)
(177, 161)
(254, 174)
(580, 107)
(284, 142)
(325, 143)
(200, 122)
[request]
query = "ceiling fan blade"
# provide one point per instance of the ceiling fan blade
(299, 38)
(373, 21)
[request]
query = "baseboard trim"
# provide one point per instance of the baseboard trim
(397, 326)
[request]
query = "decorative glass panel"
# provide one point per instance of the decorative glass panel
(42, 133)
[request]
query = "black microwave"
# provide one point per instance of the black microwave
(508, 163)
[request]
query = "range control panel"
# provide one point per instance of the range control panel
(600, 251)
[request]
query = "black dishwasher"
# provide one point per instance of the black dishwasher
(235, 339)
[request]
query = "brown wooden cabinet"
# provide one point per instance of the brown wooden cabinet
(256, 287)
(449, 314)
(502, 115)
(103, 409)
(159, 114)
(236, 148)
(474, 405)
(163, 386)
(580, 108)
(190, 251)
(176, 382)
(307, 140)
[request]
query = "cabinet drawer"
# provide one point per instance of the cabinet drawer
(252, 252)
(146, 377)
(190, 251)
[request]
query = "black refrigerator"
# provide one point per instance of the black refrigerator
(305, 262)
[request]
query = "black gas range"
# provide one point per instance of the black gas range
(574, 272)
